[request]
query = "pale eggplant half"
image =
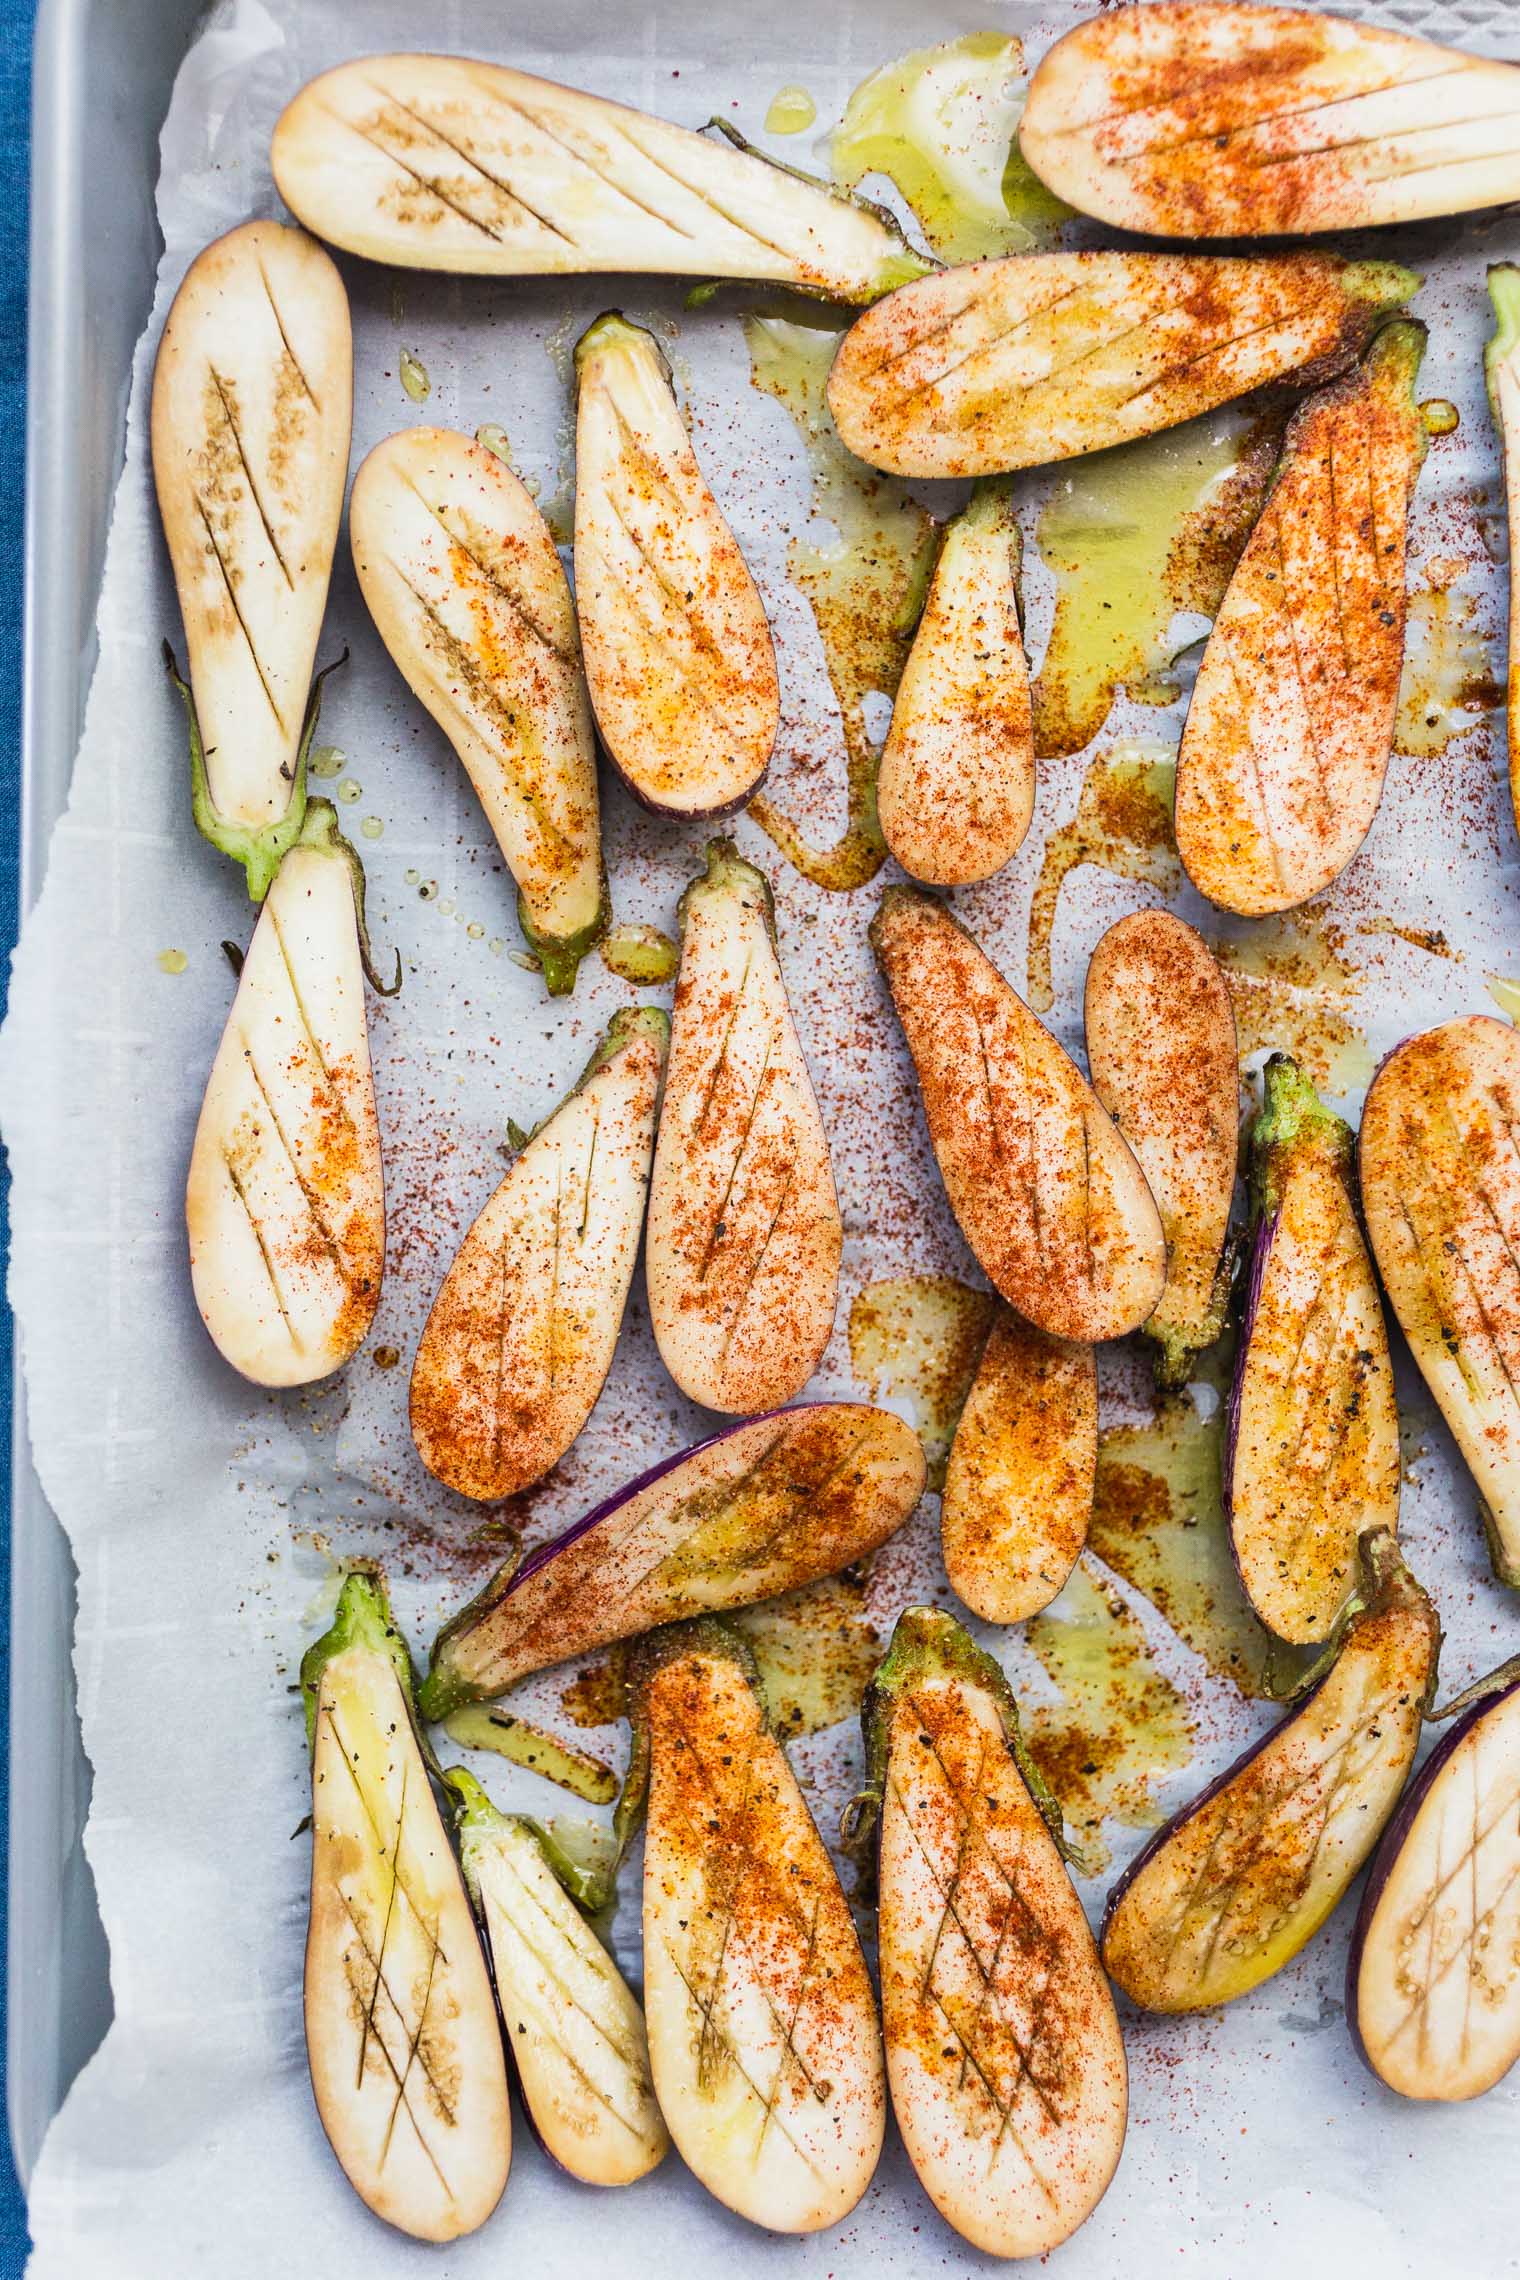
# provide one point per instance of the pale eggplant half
(1047, 1193)
(252, 405)
(761, 1508)
(763, 2034)
(1440, 1177)
(1019, 1484)
(742, 1255)
(1217, 119)
(573, 2025)
(1290, 728)
(1240, 1880)
(1502, 367)
(678, 651)
(1162, 1049)
(521, 1335)
(956, 787)
(285, 1202)
(1004, 2055)
(1433, 1979)
(401, 2029)
(1312, 1455)
(1039, 356)
(464, 583)
(439, 162)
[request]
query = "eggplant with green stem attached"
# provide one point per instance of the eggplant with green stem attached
(401, 2029)
(439, 162)
(742, 1255)
(521, 1335)
(1290, 728)
(1216, 119)
(763, 2034)
(573, 2027)
(463, 581)
(678, 651)
(1311, 1457)
(252, 407)
(1004, 2055)
(285, 1202)
(1238, 1881)
(1502, 370)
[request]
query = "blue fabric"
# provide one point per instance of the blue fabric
(15, 102)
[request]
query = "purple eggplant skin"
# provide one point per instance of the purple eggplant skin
(768, 1504)
(1423, 2073)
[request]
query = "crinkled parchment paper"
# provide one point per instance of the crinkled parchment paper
(205, 1517)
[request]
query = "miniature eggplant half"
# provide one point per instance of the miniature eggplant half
(763, 1507)
(401, 2028)
(1244, 1876)
(573, 2026)
(522, 1332)
(1004, 2055)
(1502, 368)
(763, 2034)
(1433, 1979)
(1311, 1456)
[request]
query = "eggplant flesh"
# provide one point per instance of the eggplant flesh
(679, 658)
(401, 2028)
(1240, 1880)
(1290, 728)
(1047, 1193)
(1214, 119)
(1018, 1495)
(1004, 2055)
(1433, 1985)
(521, 1335)
(776, 1502)
(1312, 1454)
(1440, 1181)
(763, 2034)
(1502, 366)
(1014, 363)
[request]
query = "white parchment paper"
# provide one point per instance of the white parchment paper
(204, 1517)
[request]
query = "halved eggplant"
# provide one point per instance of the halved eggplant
(1433, 1978)
(285, 1202)
(678, 651)
(1162, 1049)
(438, 162)
(956, 788)
(745, 1237)
(1004, 2054)
(1502, 367)
(1440, 1178)
(1046, 1191)
(1291, 723)
(252, 405)
(1013, 363)
(1240, 1880)
(1311, 1457)
(770, 1504)
(763, 2034)
(1019, 1484)
(401, 2028)
(521, 1335)
(462, 578)
(1214, 119)
(573, 2026)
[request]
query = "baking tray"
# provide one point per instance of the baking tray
(102, 74)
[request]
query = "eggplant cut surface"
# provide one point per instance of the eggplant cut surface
(1440, 1179)
(1502, 370)
(1291, 723)
(438, 162)
(521, 1335)
(1037, 357)
(1212, 119)
(1047, 1193)
(463, 581)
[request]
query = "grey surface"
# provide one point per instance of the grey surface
(102, 76)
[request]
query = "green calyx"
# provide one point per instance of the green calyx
(1504, 293)
(1179, 1344)
(727, 873)
(1498, 1681)
(1387, 284)
(1291, 1123)
(319, 835)
(628, 1024)
(559, 955)
(671, 1642)
(899, 267)
(478, 1823)
(1383, 1582)
(362, 1619)
(1395, 354)
(261, 851)
(446, 1688)
(612, 331)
